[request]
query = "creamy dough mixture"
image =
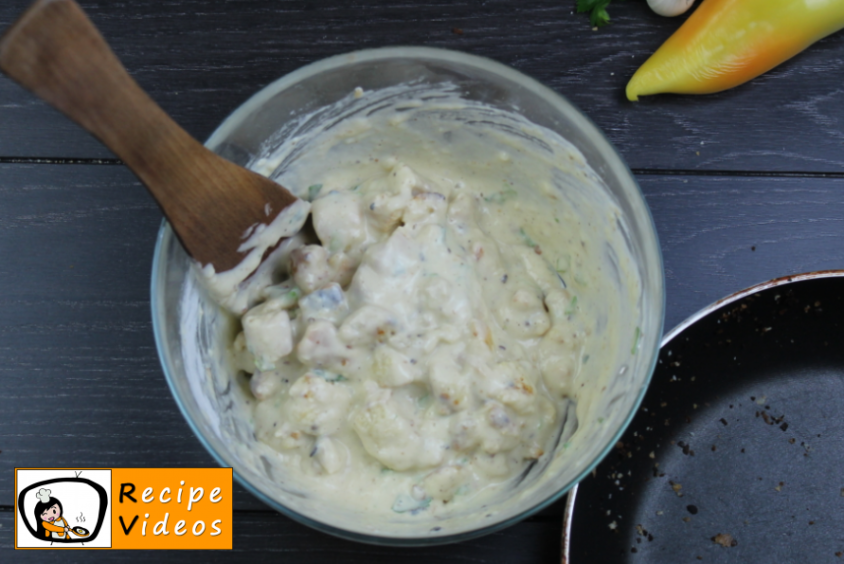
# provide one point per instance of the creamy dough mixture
(421, 341)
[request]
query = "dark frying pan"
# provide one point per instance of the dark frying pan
(737, 452)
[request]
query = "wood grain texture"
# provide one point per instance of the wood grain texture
(56, 52)
(201, 58)
(80, 381)
(269, 537)
(721, 234)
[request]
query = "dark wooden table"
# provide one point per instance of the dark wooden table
(744, 186)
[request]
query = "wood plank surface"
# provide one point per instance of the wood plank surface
(270, 537)
(201, 58)
(79, 374)
(80, 381)
(720, 234)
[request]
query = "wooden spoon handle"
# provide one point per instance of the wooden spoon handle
(56, 52)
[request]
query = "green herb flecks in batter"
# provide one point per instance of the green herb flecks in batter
(636, 335)
(313, 191)
(501, 197)
(572, 306)
(329, 376)
(528, 241)
(404, 503)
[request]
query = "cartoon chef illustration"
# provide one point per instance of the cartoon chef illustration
(48, 515)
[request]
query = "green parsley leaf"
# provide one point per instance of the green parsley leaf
(501, 197)
(329, 376)
(572, 305)
(313, 191)
(528, 241)
(636, 337)
(597, 9)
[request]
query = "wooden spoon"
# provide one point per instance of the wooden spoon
(56, 52)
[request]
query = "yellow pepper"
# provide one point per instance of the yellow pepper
(725, 43)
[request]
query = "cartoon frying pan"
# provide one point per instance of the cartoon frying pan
(80, 531)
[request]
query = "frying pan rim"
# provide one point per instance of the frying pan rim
(568, 513)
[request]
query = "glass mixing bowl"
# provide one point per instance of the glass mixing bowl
(190, 332)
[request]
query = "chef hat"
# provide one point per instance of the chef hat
(43, 495)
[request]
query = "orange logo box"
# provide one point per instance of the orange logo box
(171, 508)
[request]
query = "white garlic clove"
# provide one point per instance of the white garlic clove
(670, 8)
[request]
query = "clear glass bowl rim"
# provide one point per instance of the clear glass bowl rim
(566, 108)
